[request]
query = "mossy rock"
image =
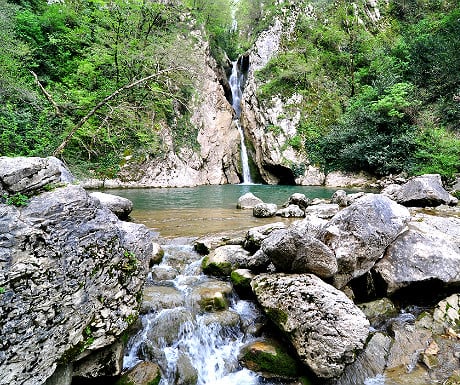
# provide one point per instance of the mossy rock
(218, 269)
(269, 359)
(241, 280)
(144, 373)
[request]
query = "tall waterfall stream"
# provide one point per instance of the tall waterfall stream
(236, 82)
(184, 332)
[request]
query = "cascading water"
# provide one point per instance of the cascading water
(185, 340)
(236, 81)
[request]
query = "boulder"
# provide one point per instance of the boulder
(264, 210)
(343, 199)
(292, 251)
(223, 260)
(379, 310)
(241, 280)
(291, 211)
(420, 255)
(144, 373)
(204, 245)
(27, 175)
(324, 326)
(269, 359)
(298, 199)
(310, 225)
(212, 295)
(360, 233)
(421, 191)
(120, 206)
(323, 210)
(157, 298)
(248, 201)
(72, 275)
(256, 235)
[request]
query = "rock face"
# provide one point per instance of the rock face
(421, 255)
(360, 233)
(324, 326)
(422, 191)
(70, 273)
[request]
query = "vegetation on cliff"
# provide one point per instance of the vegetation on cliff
(380, 90)
(104, 79)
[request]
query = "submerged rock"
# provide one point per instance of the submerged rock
(324, 326)
(360, 233)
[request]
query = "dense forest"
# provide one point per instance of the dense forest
(94, 81)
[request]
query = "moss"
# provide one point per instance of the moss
(278, 316)
(279, 362)
(240, 280)
(219, 269)
(156, 380)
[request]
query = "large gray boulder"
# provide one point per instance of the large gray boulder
(256, 235)
(72, 275)
(265, 210)
(223, 260)
(293, 251)
(323, 324)
(26, 175)
(421, 191)
(420, 255)
(120, 206)
(248, 201)
(360, 233)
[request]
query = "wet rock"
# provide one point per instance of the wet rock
(167, 325)
(421, 191)
(269, 359)
(248, 201)
(323, 211)
(291, 211)
(265, 210)
(324, 326)
(421, 255)
(360, 233)
(379, 310)
(157, 255)
(223, 260)
(144, 373)
(369, 364)
(120, 206)
(256, 235)
(163, 273)
(241, 280)
(293, 251)
(224, 318)
(186, 374)
(212, 295)
(161, 297)
(27, 175)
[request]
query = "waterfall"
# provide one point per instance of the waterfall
(236, 81)
(181, 337)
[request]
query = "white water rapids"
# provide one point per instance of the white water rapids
(184, 338)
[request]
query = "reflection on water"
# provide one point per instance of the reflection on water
(197, 211)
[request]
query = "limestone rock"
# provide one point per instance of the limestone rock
(256, 235)
(120, 206)
(223, 260)
(212, 295)
(341, 179)
(310, 225)
(241, 279)
(324, 211)
(324, 326)
(420, 255)
(26, 175)
(204, 245)
(298, 199)
(421, 191)
(144, 373)
(248, 201)
(269, 359)
(158, 297)
(291, 211)
(72, 275)
(360, 233)
(265, 210)
(379, 310)
(292, 251)
(343, 199)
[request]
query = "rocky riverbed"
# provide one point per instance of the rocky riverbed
(360, 289)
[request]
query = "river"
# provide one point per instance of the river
(202, 210)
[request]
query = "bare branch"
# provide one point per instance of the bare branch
(83, 120)
(48, 96)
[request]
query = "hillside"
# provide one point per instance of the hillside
(137, 89)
